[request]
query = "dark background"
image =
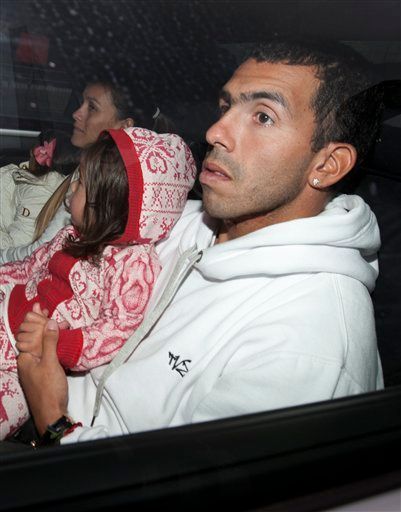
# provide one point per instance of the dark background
(171, 54)
(177, 54)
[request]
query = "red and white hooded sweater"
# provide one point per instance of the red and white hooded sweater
(104, 304)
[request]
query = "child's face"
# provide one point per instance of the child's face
(77, 202)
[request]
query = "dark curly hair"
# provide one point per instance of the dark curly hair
(347, 104)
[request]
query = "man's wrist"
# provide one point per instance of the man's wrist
(55, 431)
(42, 422)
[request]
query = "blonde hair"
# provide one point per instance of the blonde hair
(50, 208)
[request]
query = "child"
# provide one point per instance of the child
(25, 188)
(97, 275)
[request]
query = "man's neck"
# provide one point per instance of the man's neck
(232, 229)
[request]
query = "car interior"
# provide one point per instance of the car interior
(311, 457)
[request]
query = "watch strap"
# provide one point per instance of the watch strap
(56, 431)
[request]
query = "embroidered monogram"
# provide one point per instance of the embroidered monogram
(180, 366)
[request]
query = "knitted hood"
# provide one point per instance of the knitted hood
(161, 171)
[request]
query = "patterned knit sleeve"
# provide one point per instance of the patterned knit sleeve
(128, 285)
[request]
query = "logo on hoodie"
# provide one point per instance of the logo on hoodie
(179, 366)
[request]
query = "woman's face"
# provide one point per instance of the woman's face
(96, 113)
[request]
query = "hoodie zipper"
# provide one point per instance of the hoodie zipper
(185, 262)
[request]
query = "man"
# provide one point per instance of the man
(276, 309)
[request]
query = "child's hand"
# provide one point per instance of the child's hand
(30, 333)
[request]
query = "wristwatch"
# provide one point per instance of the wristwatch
(56, 431)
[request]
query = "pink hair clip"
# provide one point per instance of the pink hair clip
(44, 154)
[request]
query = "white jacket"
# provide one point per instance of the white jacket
(277, 318)
(61, 219)
(22, 196)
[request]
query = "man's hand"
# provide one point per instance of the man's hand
(43, 380)
(30, 334)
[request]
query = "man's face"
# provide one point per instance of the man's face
(261, 144)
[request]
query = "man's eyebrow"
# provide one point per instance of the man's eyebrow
(246, 97)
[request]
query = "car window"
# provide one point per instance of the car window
(175, 56)
(45, 67)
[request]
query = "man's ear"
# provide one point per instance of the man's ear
(331, 164)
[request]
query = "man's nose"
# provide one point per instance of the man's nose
(221, 134)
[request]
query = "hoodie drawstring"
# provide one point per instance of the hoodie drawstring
(185, 262)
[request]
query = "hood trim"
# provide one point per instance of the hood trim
(135, 185)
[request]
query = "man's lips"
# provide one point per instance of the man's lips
(212, 172)
(77, 129)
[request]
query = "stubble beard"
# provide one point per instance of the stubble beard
(265, 198)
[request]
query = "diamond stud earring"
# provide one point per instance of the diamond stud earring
(315, 182)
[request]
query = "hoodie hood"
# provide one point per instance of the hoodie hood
(343, 239)
(161, 171)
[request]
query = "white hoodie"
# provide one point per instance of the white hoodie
(276, 318)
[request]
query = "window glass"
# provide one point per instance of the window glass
(175, 56)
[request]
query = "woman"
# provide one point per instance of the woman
(104, 106)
